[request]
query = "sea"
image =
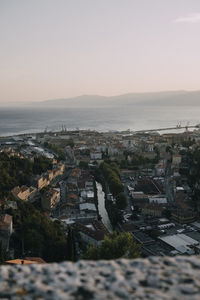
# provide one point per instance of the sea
(27, 119)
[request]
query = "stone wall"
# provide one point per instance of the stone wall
(153, 278)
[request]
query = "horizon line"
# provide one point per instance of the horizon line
(98, 95)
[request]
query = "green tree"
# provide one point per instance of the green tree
(70, 143)
(37, 234)
(34, 241)
(116, 245)
(57, 150)
(3, 254)
(18, 171)
(112, 175)
(116, 186)
(123, 164)
(115, 215)
(115, 168)
(121, 201)
(71, 247)
(168, 149)
(83, 165)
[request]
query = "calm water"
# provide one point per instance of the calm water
(26, 119)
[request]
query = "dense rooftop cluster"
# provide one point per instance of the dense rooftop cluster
(145, 184)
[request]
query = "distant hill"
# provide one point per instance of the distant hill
(168, 98)
(84, 100)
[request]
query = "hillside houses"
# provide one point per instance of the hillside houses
(41, 181)
(92, 233)
(24, 193)
(50, 198)
(79, 202)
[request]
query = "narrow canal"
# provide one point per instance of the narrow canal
(101, 206)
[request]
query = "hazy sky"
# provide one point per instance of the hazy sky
(62, 48)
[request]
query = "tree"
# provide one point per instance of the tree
(36, 234)
(57, 150)
(121, 201)
(18, 171)
(3, 255)
(111, 173)
(115, 168)
(83, 165)
(116, 245)
(123, 164)
(191, 160)
(115, 215)
(156, 149)
(116, 186)
(168, 149)
(71, 246)
(70, 143)
(34, 242)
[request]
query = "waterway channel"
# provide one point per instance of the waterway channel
(101, 207)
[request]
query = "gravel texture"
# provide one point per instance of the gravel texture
(153, 278)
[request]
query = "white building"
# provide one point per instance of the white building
(95, 155)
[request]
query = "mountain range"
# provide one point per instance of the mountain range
(168, 98)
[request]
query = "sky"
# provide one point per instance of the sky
(64, 48)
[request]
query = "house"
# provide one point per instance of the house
(95, 155)
(93, 233)
(176, 159)
(153, 209)
(98, 225)
(71, 187)
(45, 179)
(26, 261)
(11, 204)
(87, 207)
(149, 154)
(160, 167)
(150, 146)
(3, 203)
(50, 198)
(38, 260)
(21, 193)
(72, 198)
(139, 198)
(149, 186)
(58, 170)
(129, 143)
(184, 216)
(89, 184)
(50, 174)
(76, 173)
(101, 147)
(115, 150)
(158, 199)
(41, 181)
(87, 195)
(24, 193)
(81, 185)
(33, 194)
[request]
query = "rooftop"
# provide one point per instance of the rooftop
(180, 242)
